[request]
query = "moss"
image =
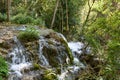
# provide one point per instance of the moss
(62, 41)
(49, 75)
(58, 70)
(69, 52)
(30, 34)
(36, 66)
(66, 46)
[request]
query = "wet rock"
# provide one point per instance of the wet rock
(55, 55)
(54, 48)
(43, 54)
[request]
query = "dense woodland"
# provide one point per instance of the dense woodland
(96, 23)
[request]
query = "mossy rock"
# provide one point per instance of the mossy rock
(51, 54)
(56, 49)
(36, 66)
(69, 52)
(49, 75)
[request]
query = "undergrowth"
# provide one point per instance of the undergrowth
(30, 34)
(3, 68)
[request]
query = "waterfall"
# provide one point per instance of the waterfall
(18, 61)
(41, 56)
(71, 72)
(29, 61)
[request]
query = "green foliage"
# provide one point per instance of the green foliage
(0, 78)
(3, 68)
(39, 21)
(2, 6)
(36, 66)
(3, 17)
(25, 19)
(22, 19)
(29, 34)
(49, 75)
(72, 11)
(103, 37)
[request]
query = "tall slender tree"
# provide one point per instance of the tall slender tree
(8, 10)
(67, 25)
(56, 8)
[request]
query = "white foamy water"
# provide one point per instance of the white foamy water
(70, 72)
(76, 47)
(18, 61)
(20, 67)
(41, 56)
(62, 76)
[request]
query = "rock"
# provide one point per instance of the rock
(49, 51)
(54, 48)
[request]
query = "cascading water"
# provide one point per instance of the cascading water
(19, 61)
(71, 72)
(41, 56)
(49, 50)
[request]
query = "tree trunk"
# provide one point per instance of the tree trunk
(8, 10)
(56, 8)
(67, 27)
(62, 20)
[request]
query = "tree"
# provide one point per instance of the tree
(103, 36)
(56, 7)
(90, 5)
(8, 9)
(2, 6)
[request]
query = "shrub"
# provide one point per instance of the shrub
(39, 21)
(22, 19)
(2, 17)
(3, 68)
(30, 34)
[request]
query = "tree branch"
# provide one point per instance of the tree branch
(87, 17)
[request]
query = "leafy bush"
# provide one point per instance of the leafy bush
(29, 34)
(39, 21)
(3, 68)
(103, 37)
(0, 78)
(2, 17)
(22, 19)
